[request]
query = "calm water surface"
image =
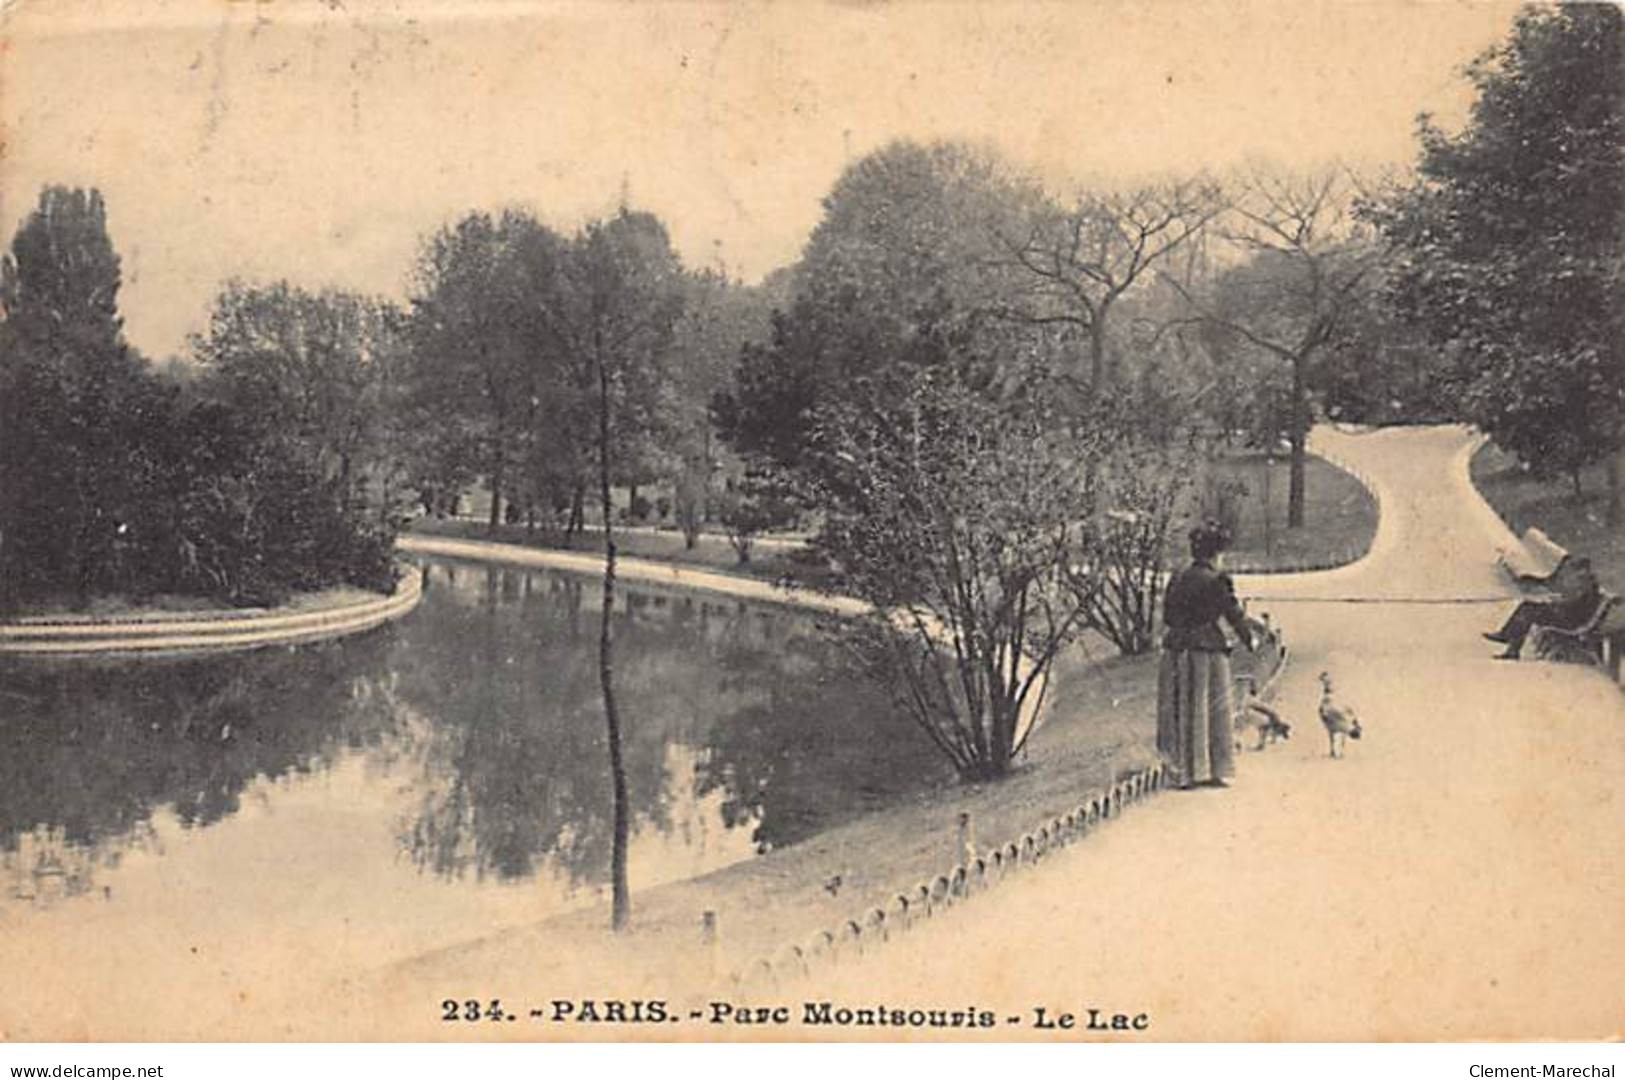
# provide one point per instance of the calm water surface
(431, 781)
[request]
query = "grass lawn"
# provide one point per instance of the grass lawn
(1340, 516)
(1580, 526)
(1340, 520)
(123, 607)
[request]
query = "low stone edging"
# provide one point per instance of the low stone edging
(192, 632)
(632, 568)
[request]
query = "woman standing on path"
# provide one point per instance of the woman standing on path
(1193, 685)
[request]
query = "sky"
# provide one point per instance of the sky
(321, 140)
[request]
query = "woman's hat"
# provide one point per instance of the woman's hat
(1210, 536)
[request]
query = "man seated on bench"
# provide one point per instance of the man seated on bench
(1577, 600)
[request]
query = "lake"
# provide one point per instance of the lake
(430, 782)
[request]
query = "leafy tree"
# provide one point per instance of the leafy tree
(720, 317)
(754, 504)
(1379, 367)
(908, 249)
(321, 370)
(72, 397)
(1507, 247)
(489, 381)
(964, 523)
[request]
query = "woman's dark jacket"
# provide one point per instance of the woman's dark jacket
(1198, 597)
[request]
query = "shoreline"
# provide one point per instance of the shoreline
(1095, 753)
(160, 634)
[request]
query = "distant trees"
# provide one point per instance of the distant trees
(112, 479)
(720, 317)
(323, 372)
(489, 384)
(1507, 245)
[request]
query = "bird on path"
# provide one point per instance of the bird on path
(1338, 718)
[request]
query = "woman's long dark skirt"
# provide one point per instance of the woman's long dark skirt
(1194, 716)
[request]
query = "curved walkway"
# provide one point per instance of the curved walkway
(1456, 876)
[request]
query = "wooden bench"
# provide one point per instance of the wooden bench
(1595, 642)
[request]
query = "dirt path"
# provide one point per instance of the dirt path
(1456, 876)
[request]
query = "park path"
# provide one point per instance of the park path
(1456, 876)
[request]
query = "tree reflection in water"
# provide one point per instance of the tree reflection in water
(815, 746)
(478, 722)
(89, 751)
(516, 779)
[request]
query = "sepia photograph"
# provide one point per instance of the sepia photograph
(813, 521)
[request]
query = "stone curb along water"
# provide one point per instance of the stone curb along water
(191, 633)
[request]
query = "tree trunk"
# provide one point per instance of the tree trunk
(1003, 737)
(496, 498)
(578, 514)
(621, 904)
(1613, 471)
(1097, 354)
(1299, 436)
(1269, 508)
(704, 494)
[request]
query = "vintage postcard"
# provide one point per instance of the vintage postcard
(826, 521)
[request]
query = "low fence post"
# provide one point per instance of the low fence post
(709, 941)
(965, 847)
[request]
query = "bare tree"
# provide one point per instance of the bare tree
(1306, 256)
(1081, 260)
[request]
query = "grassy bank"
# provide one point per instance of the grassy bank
(1340, 516)
(119, 607)
(1580, 525)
